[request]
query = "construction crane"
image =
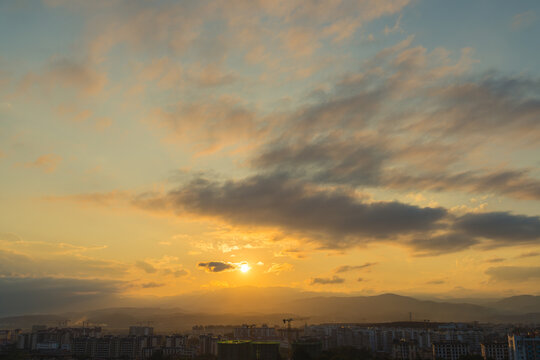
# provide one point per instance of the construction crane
(288, 322)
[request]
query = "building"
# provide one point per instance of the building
(234, 350)
(265, 350)
(495, 351)
(248, 350)
(310, 347)
(404, 350)
(449, 350)
(141, 330)
(524, 347)
(250, 332)
(208, 344)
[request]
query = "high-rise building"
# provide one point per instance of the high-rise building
(141, 330)
(265, 350)
(524, 347)
(449, 350)
(495, 351)
(234, 350)
(250, 332)
(310, 347)
(248, 350)
(404, 350)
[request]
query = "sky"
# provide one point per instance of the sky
(157, 148)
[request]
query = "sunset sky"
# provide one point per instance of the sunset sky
(362, 147)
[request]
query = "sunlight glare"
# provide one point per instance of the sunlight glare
(244, 268)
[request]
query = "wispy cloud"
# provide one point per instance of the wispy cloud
(346, 268)
(514, 273)
(278, 268)
(523, 19)
(47, 163)
(327, 281)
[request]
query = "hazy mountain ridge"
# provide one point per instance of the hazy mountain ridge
(243, 305)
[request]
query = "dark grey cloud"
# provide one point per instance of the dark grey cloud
(442, 244)
(514, 273)
(490, 103)
(366, 161)
(217, 266)
(514, 183)
(150, 285)
(148, 268)
(336, 218)
(436, 282)
(529, 254)
(327, 141)
(491, 229)
(346, 268)
(176, 273)
(340, 218)
(503, 228)
(24, 295)
(327, 281)
(355, 161)
(495, 260)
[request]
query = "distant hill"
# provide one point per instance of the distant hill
(259, 305)
(518, 304)
(390, 307)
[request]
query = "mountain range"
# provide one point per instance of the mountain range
(254, 305)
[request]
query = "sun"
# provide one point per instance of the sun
(244, 268)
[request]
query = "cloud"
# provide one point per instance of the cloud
(148, 268)
(151, 285)
(495, 260)
(327, 281)
(513, 273)
(523, 19)
(180, 273)
(441, 244)
(528, 254)
(47, 163)
(277, 269)
(64, 73)
(502, 228)
(55, 263)
(177, 27)
(24, 295)
(436, 282)
(331, 159)
(212, 125)
(10, 237)
(210, 76)
(346, 268)
(104, 198)
(353, 135)
(217, 266)
(336, 219)
(395, 28)
(513, 183)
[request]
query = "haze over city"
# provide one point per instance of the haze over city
(270, 157)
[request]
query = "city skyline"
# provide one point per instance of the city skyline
(150, 149)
